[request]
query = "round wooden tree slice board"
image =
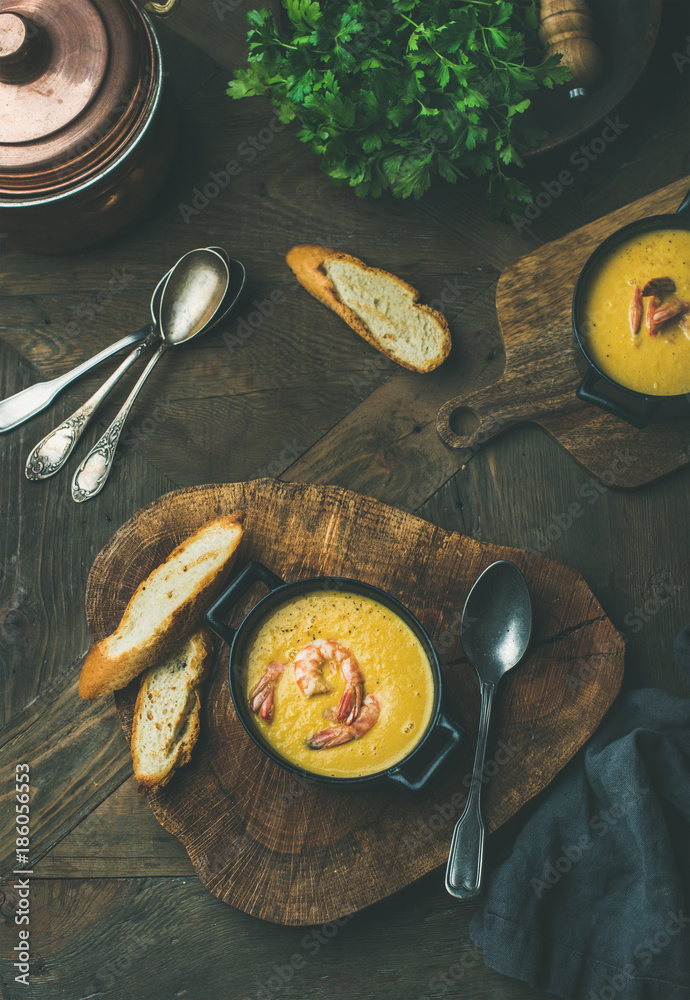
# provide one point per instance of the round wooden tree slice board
(298, 853)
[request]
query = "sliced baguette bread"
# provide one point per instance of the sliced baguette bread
(379, 306)
(166, 716)
(167, 605)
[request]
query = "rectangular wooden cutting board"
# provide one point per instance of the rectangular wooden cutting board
(298, 853)
(534, 304)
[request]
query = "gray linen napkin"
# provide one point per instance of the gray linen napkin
(593, 902)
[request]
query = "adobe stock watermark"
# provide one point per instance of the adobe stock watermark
(433, 481)
(643, 954)
(591, 492)
(247, 151)
(234, 849)
(682, 59)
(585, 668)
(365, 381)
(443, 982)
(289, 453)
(22, 886)
(109, 973)
(223, 7)
(663, 591)
(263, 309)
(445, 813)
(90, 307)
(139, 433)
(246, 326)
(600, 824)
(359, 44)
(581, 158)
(311, 943)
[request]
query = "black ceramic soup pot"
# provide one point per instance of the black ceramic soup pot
(596, 387)
(442, 734)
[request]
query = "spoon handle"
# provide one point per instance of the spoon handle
(91, 476)
(52, 452)
(28, 402)
(464, 871)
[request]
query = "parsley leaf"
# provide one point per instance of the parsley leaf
(391, 93)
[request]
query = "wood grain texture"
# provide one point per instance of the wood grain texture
(523, 489)
(45, 553)
(295, 853)
(625, 544)
(533, 302)
(102, 844)
(76, 758)
(154, 938)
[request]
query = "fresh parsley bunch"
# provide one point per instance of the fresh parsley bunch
(392, 92)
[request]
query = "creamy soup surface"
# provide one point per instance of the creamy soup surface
(392, 660)
(656, 365)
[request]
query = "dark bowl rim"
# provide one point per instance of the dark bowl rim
(277, 596)
(649, 223)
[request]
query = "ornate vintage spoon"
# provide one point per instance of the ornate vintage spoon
(51, 453)
(191, 298)
(495, 630)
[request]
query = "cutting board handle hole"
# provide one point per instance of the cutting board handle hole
(464, 421)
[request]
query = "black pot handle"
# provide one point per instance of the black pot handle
(587, 394)
(684, 207)
(456, 735)
(252, 572)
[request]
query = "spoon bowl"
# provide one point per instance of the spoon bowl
(193, 295)
(52, 451)
(495, 630)
(194, 292)
(496, 621)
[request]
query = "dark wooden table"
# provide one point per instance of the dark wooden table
(115, 907)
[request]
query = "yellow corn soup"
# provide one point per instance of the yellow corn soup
(391, 658)
(656, 365)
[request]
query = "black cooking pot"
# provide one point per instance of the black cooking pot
(628, 404)
(415, 770)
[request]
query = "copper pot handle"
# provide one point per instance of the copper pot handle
(161, 9)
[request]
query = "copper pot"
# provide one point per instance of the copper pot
(87, 131)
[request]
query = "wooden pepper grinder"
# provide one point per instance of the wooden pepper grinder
(567, 27)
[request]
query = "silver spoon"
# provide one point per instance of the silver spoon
(28, 402)
(192, 296)
(51, 453)
(495, 631)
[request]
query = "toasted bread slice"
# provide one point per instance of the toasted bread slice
(166, 716)
(379, 306)
(167, 605)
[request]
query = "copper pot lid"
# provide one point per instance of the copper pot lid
(76, 80)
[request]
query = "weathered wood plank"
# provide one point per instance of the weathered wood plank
(45, 554)
(76, 756)
(126, 937)
(119, 839)
(632, 547)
